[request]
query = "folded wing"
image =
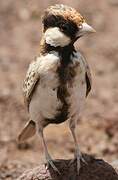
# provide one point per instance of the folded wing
(87, 77)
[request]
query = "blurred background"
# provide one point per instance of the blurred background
(20, 33)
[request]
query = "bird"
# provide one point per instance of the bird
(58, 80)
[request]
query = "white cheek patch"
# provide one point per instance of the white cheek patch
(55, 37)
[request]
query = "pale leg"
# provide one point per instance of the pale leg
(47, 155)
(78, 155)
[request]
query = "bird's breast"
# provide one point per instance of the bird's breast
(60, 93)
(72, 89)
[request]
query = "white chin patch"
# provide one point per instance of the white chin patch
(55, 37)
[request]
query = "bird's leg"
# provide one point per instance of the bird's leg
(47, 155)
(78, 155)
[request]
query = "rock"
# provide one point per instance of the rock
(95, 169)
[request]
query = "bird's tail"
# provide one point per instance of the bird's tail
(28, 131)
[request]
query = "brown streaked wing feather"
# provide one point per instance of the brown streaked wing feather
(32, 77)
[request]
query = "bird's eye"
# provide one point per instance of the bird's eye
(65, 27)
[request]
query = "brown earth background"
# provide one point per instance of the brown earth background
(20, 33)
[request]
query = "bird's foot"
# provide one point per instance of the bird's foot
(78, 158)
(50, 162)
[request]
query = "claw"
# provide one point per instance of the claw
(78, 164)
(78, 154)
(78, 157)
(50, 162)
(84, 161)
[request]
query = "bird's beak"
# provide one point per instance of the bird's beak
(85, 29)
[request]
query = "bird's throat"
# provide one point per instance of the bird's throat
(65, 53)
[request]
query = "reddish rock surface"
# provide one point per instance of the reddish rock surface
(95, 169)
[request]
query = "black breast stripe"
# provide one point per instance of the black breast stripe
(66, 74)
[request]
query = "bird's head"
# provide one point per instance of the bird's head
(63, 25)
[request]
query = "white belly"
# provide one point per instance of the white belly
(77, 98)
(45, 103)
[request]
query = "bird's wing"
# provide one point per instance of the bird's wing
(87, 77)
(29, 84)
